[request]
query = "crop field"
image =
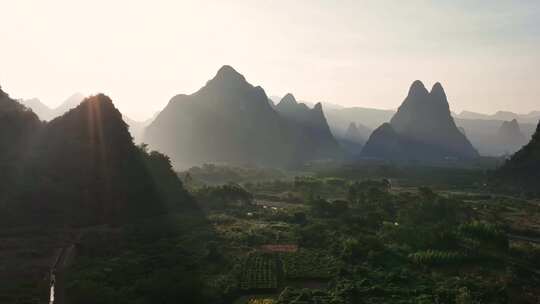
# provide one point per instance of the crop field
(259, 271)
(309, 264)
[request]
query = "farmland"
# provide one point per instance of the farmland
(320, 239)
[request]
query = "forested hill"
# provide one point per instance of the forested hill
(80, 168)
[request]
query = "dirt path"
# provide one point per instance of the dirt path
(63, 260)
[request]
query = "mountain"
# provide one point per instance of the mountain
(231, 121)
(352, 141)
(480, 129)
(423, 127)
(80, 168)
(354, 135)
(522, 171)
(484, 135)
(532, 117)
(510, 136)
(313, 137)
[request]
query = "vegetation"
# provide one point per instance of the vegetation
(258, 272)
(121, 228)
(309, 264)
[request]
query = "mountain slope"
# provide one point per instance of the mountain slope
(425, 125)
(68, 104)
(18, 128)
(522, 171)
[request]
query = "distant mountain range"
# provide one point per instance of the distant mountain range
(231, 121)
(421, 130)
(532, 117)
(482, 130)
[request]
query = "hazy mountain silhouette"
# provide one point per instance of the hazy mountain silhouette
(352, 141)
(354, 135)
(80, 168)
(532, 117)
(312, 135)
(41, 109)
(68, 104)
(424, 124)
(366, 119)
(510, 136)
(522, 171)
(484, 135)
(46, 113)
(137, 128)
(228, 121)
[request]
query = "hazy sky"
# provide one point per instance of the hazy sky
(365, 53)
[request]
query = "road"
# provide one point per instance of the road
(63, 259)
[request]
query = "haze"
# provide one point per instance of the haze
(353, 53)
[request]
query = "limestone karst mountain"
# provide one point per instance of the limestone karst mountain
(231, 121)
(424, 123)
(313, 137)
(80, 168)
(354, 135)
(352, 141)
(510, 137)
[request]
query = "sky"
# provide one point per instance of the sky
(486, 53)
